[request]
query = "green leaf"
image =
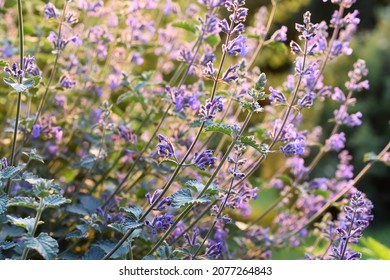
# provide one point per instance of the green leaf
(165, 252)
(7, 245)
(376, 249)
(213, 40)
(185, 26)
(24, 201)
(130, 223)
(42, 187)
(94, 253)
(134, 211)
(250, 141)
(80, 232)
(279, 46)
(3, 63)
(53, 201)
(219, 127)
(26, 223)
(25, 85)
(198, 187)
(184, 197)
(125, 97)
(287, 180)
(261, 82)
(149, 258)
(32, 155)
(107, 246)
(45, 245)
(3, 203)
(87, 162)
(9, 172)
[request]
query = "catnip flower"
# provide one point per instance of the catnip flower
(204, 159)
(160, 223)
(344, 168)
(162, 205)
(165, 147)
(336, 142)
(276, 97)
(280, 35)
(50, 11)
(127, 135)
(209, 111)
(293, 148)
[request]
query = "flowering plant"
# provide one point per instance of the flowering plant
(139, 128)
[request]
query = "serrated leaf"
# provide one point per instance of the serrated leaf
(53, 201)
(107, 246)
(250, 141)
(80, 232)
(185, 26)
(28, 202)
(45, 245)
(130, 223)
(10, 231)
(41, 187)
(26, 223)
(219, 127)
(25, 85)
(32, 155)
(165, 252)
(3, 203)
(198, 187)
(94, 253)
(213, 40)
(134, 211)
(9, 172)
(7, 245)
(184, 197)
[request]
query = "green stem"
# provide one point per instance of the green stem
(36, 223)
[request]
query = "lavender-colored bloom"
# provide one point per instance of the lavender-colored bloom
(319, 184)
(280, 35)
(293, 148)
(3, 163)
(160, 223)
(236, 46)
(276, 96)
(336, 142)
(297, 166)
(14, 71)
(162, 205)
(342, 117)
(209, 71)
(61, 43)
(344, 168)
(208, 111)
(50, 11)
(36, 131)
(295, 48)
(357, 216)
(214, 250)
(306, 101)
(192, 241)
(229, 75)
(224, 26)
(204, 159)
(338, 95)
(7, 49)
(66, 82)
(136, 58)
(359, 71)
(127, 134)
(208, 57)
(165, 147)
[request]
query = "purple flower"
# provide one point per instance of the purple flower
(208, 111)
(236, 46)
(165, 147)
(276, 97)
(342, 117)
(344, 169)
(280, 35)
(306, 101)
(50, 11)
(229, 75)
(204, 159)
(319, 184)
(127, 135)
(14, 71)
(214, 250)
(338, 95)
(66, 82)
(336, 142)
(3, 163)
(162, 205)
(192, 241)
(297, 166)
(293, 148)
(160, 223)
(36, 131)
